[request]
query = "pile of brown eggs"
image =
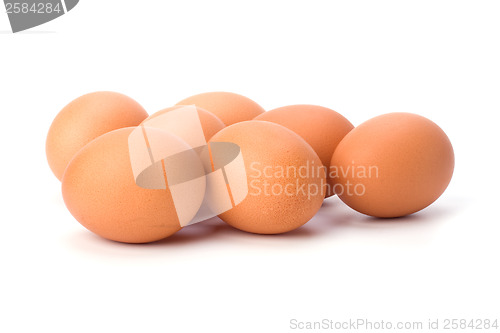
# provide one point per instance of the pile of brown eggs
(294, 156)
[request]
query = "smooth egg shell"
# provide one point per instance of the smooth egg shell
(99, 190)
(229, 107)
(392, 165)
(210, 123)
(86, 118)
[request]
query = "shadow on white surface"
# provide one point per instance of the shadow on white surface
(429, 215)
(333, 221)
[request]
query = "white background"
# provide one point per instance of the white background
(440, 59)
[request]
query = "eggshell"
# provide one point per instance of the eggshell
(86, 118)
(231, 108)
(321, 127)
(392, 165)
(100, 191)
(281, 197)
(210, 123)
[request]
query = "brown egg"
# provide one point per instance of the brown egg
(100, 191)
(229, 107)
(392, 165)
(321, 127)
(286, 179)
(209, 122)
(86, 118)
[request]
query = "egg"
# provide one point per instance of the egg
(210, 123)
(100, 190)
(86, 118)
(285, 177)
(392, 165)
(229, 107)
(321, 127)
